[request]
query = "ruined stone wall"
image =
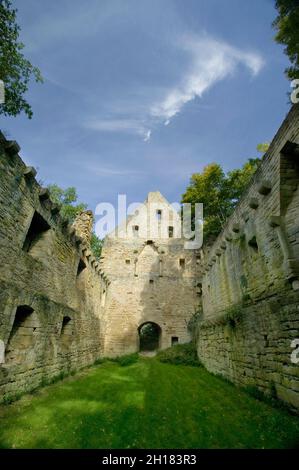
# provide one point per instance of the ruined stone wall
(50, 285)
(60, 309)
(250, 282)
(152, 278)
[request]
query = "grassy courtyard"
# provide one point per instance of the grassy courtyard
(144, 405)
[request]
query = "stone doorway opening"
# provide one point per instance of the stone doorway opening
(149, 336)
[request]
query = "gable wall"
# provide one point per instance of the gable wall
(170, 300)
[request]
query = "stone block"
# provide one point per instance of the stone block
(12, 147)
(29, 172)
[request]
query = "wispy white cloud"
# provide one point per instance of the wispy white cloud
(147, 136)
(210, 62)
(130, 126)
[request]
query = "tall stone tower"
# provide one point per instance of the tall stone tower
(153, 279)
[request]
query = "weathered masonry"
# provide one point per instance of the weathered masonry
(50, 286)
(250, 302)
(153, 279)
(60, 309)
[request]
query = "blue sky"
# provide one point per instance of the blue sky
(139, 94)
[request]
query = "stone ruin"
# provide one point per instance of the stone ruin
(61, 309)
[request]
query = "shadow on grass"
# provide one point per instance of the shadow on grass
(99, 410)
(145, 405)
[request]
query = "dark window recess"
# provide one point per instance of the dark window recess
(128, 261)
(174, 340)
(182, 263)
(149, 242)
(66, 332)
(21, 338)
(170, 232)
(199, 288)
(22, 313)
(159, 214)
(253, 243)
(65, 325)
(151, 281)
(81, 267)
(37, 229)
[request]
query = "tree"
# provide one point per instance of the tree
(287, 26)
(219, 193)
(263, 147)
(67, 199)
(96, 245)
(15, 70)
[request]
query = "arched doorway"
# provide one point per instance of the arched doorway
(149, 336)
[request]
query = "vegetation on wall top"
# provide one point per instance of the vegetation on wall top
(70, 208)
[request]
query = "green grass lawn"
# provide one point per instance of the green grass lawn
(145, 405)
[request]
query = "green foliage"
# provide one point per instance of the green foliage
(126, 360)
(180, 354)
(233, 315)
(96, 245)
(10, 398)
(255, 392)
(123, 361)
(99, 361)
(66, 199)
(15, 70)
(287, 27)
(263, 147)
(69, 209)
(219, 193)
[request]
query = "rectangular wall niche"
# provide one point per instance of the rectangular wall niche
(253, 243)
(81, 267)
(174, 340)
(81, 275)
(22, 337)
(37, 238)
(66, 335)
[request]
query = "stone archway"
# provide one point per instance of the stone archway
(149, 336)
